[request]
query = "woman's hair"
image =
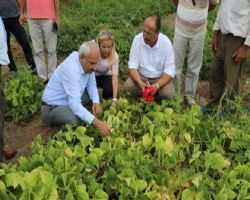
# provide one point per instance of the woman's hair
(106, 34)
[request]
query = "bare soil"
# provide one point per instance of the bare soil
(20, 137)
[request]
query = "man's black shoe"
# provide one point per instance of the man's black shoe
(34, 71)
(9, 153)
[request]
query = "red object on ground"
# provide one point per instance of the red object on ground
(148, 97)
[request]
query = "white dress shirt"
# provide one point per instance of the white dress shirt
(234, 17)
(152, 62)
(4, 59)
(67, 84)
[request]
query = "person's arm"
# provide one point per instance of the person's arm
(92, 89)
(18, 3)
(133, 63)
(72, 88)
(215, 40)
(93, 94)
(169, 66)
(57, 16)
(115, 84)
(175, 2)
(136, 77)
(115, 88)
(164, 80)
(101, 127)
(23, 7)
(241, 54)
(71, 82)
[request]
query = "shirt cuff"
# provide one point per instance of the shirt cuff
(89, 118)
(247, 41)
(95, 98)
(170, 73)
(96, 101)
(216, 26)
(132, 65)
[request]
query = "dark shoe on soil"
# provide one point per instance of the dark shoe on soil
(247, 98)
(206, 109)
(9, 153)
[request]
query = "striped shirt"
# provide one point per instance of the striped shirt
(191, 18)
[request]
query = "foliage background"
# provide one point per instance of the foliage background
(82, 20)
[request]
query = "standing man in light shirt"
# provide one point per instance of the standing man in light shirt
(43, 19)
(190, 30)
(230, 46)
(151, 60)
(72, 89)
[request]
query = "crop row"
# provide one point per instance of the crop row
(155, 152)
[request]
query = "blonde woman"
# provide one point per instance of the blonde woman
(107, 69)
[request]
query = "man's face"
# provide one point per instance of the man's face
(89, 63)
(150, 34)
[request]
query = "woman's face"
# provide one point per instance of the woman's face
(106, 48)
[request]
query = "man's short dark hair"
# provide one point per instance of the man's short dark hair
(157, 21)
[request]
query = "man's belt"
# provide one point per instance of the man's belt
(228, 34)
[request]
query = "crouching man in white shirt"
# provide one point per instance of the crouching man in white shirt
(151, 60)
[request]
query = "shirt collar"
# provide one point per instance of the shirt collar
(156, 46)
(80, 65)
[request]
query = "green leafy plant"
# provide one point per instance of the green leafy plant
(156, 151)
(23, 96)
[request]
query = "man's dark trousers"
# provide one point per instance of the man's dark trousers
(13, 26)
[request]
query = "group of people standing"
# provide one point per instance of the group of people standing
(71, 95)
(43, 19)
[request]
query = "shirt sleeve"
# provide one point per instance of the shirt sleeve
(247, 40)
(217, 21)
(72, 88)
(133, 62)
(92, 88)
(115, 65)
(169, 65)
(4, 59)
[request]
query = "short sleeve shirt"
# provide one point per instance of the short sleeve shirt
(105, 67)
(8, 9)
(40, 9)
